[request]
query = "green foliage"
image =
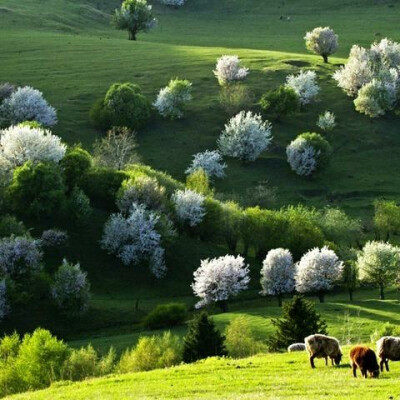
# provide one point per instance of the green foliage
(166, 316)
(235, 97)
(203, 339)
(37, 190)
(152, 353)
(9, 225)
(199, 182)
(299, 319)
(75, 164)
(321, 145)
(123, 105)
(31, 124)
(387, 217)
(386, 329)
(79, 209)
(240, 341)
(102, 185)
(351, 277)
(280, 102)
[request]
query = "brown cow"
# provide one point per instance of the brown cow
(364, 358)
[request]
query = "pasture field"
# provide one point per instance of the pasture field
(271, 376)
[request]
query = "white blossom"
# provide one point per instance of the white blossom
(318, 270)
(4, 308)
(379, 263)
(245, 136)
(210, 161)
(302, 157)
(28, 104)
(19, 144)
(171, 99)
(174, 3)
(135, 239)
(19, 256)
(277, 273)
(322, 41)
(305, 85)
(229, 69)
(189, 206)
(219, 279)
(327, 121)
(53, 238)
(71, 289)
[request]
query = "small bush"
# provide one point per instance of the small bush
(81, 364)
(240, 341)
(387, 329)
(235, 98)
(152, 353)
(280, 102)
(166, 316)
(199, 182)
(75, 164)
(9, 225)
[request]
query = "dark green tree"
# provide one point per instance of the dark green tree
(203, 339)
(74, 165)
(299, 319)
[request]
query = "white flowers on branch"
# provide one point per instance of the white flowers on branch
(71, 289)
(322, 41)
(189, 206)
(3, 300)
(277, 273)
(373, 75)
(317, 271)
(219, 279)
(20, 143)
(245, 136)
(302, 157)
(53, 238)
(174, 3)
(171, 99)
(305, 85)
(229, 69)
(210, 161)
(327, 121)
(28, 104)
(135, 239)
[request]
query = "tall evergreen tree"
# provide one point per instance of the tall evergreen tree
(203, 339)
(299, 319)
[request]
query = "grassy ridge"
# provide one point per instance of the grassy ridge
(272, 376)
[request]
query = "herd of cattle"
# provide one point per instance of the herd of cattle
(361, 357)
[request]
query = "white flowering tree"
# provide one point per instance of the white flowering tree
(173, 3)
(172, 99)
(28, 104)
(71, 289)
(322, 41)
(53, 238)
(372, 76)
(20, 143)
(19, 256)
(317, 271)
(245, 136)
(4, 309)
(379, 263)
(305, 86)
(135, 239)
(327, 121)
(210, 161)
(277, 274)
(219, 279)
(189, 206)
(134, 16)
(229, 69)
(302, 157)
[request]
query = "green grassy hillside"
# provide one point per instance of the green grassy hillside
(274, 376)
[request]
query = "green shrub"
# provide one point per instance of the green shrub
(240, 341)
(199, 182)
(299, 319)
(203, 339)
(387, 329)
(165, 316)
(280, 102)
(81, 364)
(152, 353)
(321, 145)
(74, 165)
(102, 185)
(9, 225)
(235, 98)
(79, 209)
(123, 105)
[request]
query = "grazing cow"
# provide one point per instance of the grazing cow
(321, 346)
(388, 348)
(364, 358)
(296, 347)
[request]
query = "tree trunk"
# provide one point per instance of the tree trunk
(321, 297)
(223, 305)
(382, 294)
(351, 295)
(279, 300)
(132, 35)
(325, 57)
